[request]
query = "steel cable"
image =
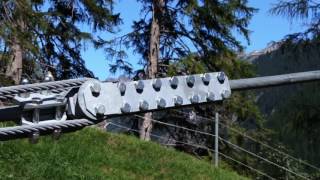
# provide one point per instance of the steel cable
(58, 86)
(200, 146)
(8, 133)
(259, 142)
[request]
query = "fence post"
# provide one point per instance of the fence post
(216, 140)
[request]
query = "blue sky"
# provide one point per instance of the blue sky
(265, 28)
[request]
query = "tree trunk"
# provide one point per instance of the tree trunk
(157, 11)
(14, 68)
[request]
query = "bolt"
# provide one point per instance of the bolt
(195, 99)
(122, 87)
(206, 79)
(157, 84)
(59, 98)
(210, 96)
(125, 108)
(144, 105)
(174, 81)
(161, 103)
(48, 77)
(226, 94)
(36, 100)
(178, 100)
(24, 81)
(100, 110)
(56, 134)
(190, 81)
(34, 137)
(221, 77)
(139, 86)
(95, 89)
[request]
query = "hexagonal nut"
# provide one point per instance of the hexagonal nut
(226, 94)
(211, 97)
(190, 80)
(221, 77)
(100, 109)
(161, 103)
(34, 137)
(206, 79)
(144, 105)
(174, 82)
(24, 81)
(95, 88)
(37, 100)
(122, 87)
(178, 101)
(195, 99)
(126, 108)
(139, 86)
(157, 84)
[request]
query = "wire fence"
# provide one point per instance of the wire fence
(234, 146)
(202, 147)
(259, 142)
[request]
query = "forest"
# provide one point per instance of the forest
(47, 38)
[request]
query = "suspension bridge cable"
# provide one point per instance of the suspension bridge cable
(203, 147)
(260, 142)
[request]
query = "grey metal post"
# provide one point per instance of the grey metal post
(216, 140)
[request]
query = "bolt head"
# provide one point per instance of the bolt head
(174, 81)
(139, 86)
(161, 103)
(24, 81)
(178, 100)
(100, 110)
(59, 98)
(95, 88)
(225, 94)
(122, 87)
(195, 99)
(221, 77)
(206, 79)
(37, 100)
(210, 96)
(34, 137)
(125, 108)
(144, 105)
(157, 84)
(56, 134)
(190, 80)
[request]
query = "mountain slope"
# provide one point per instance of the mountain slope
(94, 154)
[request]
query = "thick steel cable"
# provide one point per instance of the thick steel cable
(23, 131)
(57, 86)
(259, 142)
(200, 146)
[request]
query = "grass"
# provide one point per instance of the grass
(94, 154)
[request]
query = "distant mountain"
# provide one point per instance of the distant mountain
(292, 111)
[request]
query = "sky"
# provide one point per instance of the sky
(265, 29)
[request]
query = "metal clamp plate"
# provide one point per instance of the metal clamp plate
(114, 99)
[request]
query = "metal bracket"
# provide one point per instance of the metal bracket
(97, 100)
(39, 108)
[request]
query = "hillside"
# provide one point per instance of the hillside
(94, 154)
(292, 111)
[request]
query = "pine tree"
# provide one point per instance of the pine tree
(185, 36)
(48, 33)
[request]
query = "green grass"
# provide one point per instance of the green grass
(93, 154)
